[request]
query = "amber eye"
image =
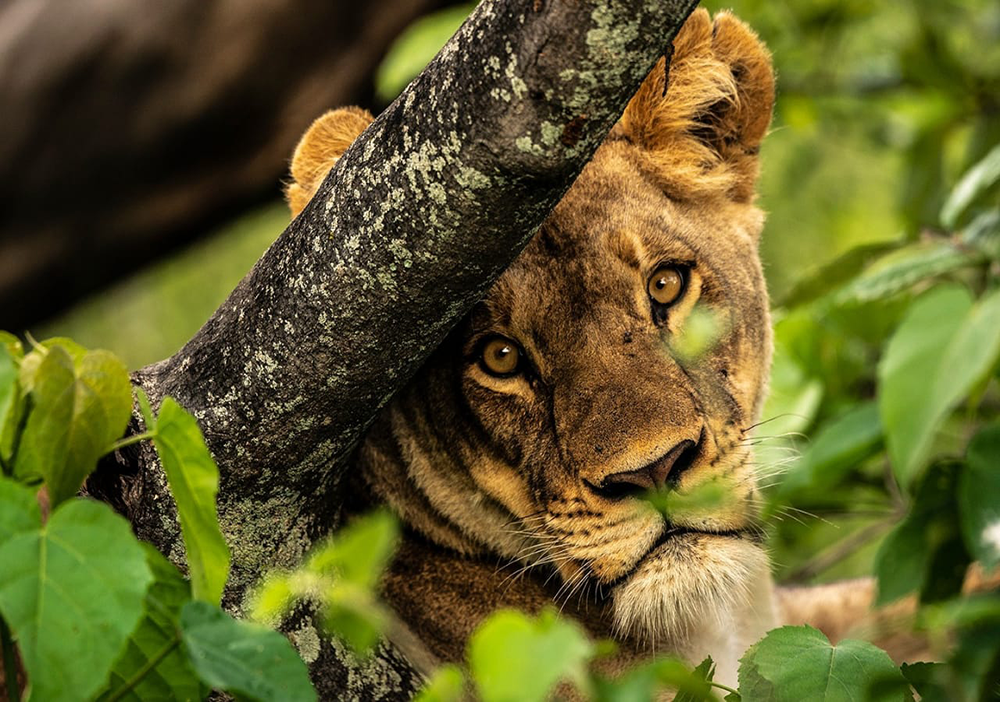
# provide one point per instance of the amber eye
(501, 356)
(666, 285)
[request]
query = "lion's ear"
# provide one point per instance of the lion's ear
(324, 142)
(702, 134)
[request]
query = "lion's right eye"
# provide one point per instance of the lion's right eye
(500, 356)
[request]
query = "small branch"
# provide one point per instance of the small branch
(144, 670)
(723, 687)
(9, 663)
(839, 551)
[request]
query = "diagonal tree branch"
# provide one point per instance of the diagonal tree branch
(408, 231)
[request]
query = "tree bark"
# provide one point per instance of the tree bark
(131, 128)
(407, 232)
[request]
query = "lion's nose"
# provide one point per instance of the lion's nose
(665, 470)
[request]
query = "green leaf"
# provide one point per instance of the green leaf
(360, 552)
(974, 183)
(983, 233)
(79, 409)
(11, 405)
(924, 552)
(517, 658)
(153, 650)
(838, 447)
(796, 663)
(908, 374)
(194, 483)
(905, 267)
(19, 510)
(835, 273)
(979, 496)
(648, 681)
(72, 592)
(415, 47)
(928, 679)
(447, 684)
(248, 660)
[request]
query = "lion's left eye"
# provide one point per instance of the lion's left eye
(666, 285)
(500, 356)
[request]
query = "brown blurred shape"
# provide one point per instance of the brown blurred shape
(129, 128)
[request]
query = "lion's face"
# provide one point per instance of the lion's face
(574, 388)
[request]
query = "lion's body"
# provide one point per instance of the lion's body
(516, 488)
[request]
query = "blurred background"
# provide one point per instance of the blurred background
(142, 148)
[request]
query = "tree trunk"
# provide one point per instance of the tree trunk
(130, 128)
(410, 228)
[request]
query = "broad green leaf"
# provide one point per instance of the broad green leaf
(924, 552)
(79, 409)
(447, 684)
(156, 642)
(835, 273)
(974, 183)
(342, 574)
(517, 658)
(72, 592)
(31, 362)
(19, 510)
(979, 496)
(905, 267)
(797, 663)
(12, 344)
(359, 552)
(194, 483)
(928, 679)
(983, 233)
(244, 659)
(702, 329)
(649, 681)
(908, 375)
(415, 47)
(838, 447)
(11, 405)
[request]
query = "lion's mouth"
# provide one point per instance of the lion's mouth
(678, 532)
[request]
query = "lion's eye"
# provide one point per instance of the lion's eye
(666, 285)
(500, 356)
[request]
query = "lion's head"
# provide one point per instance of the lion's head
(571, 389)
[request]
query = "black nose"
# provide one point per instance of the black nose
(665, 470)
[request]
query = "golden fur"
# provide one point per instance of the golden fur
(503, 482)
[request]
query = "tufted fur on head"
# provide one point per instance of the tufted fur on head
(700, 128)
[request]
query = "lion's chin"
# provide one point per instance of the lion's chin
(689, 583)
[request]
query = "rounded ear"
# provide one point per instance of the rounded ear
(324, 142)
(699, 127)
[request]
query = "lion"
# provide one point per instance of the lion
(516, 456)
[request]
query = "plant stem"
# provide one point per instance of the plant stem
(9, 664)
(722, 687)
(134, 439)
(144, 670)
(838, 551)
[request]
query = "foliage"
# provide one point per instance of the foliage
(92, 611)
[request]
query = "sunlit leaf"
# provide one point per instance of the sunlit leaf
(11, 404)
(80, 406)
(517, 658)
(19, 510)
(156, 642)
(983, 233)
(905, 267)
(415, 47)
(796, 663)
(244, 659)
(979, 496)
(908, 376)
(447, 684)
(651, 680)
(974, 183)
(835, 273)
(838, 447)
(72, 592)
(194, 483)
